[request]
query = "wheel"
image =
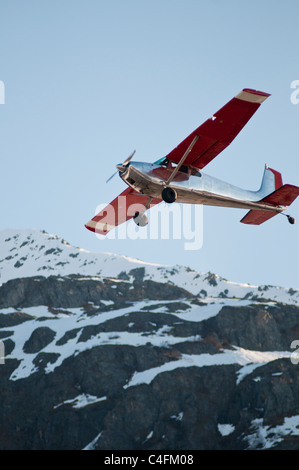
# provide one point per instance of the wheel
(291, 219)
(169, 195)
(140, 219)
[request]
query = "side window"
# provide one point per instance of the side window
(184, 169)
(195, 172)
(164, 162)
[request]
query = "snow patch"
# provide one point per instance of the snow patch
(81, 401)
(249, 360)
(266, 437)
(178, 417)
(92, 444)
(226, 429)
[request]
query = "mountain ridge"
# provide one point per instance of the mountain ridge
(28, 253)
(105, 352)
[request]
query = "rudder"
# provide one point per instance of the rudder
(272, 180)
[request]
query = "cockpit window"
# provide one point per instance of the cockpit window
(162, 161)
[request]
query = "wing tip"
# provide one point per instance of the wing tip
(253, 96)
(97, 227)
(92, 229)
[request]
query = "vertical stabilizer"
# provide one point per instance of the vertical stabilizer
(272, 180)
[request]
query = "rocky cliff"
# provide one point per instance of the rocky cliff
(106, 352)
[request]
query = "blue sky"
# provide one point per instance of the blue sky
(87, 82)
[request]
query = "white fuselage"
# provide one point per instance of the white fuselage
(200, 188)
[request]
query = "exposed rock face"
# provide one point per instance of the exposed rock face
(144, 374)
(258, 327)
(133, 362)
(76, 291)
(39, 339)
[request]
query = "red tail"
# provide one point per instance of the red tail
(284, 196)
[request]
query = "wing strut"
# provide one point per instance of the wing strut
(171, 177)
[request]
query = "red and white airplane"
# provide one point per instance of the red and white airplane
(178, 176)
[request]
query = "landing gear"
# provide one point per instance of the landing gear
(140, 219)
(169, 195)
(291, 219)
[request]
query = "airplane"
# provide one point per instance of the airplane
(178, 176)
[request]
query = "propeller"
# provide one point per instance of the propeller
(122, 167)
(111, 177)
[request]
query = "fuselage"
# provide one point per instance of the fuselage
(197, 188)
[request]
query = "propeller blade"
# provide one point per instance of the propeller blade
(111, 177)
(129, 158)
(126, 162)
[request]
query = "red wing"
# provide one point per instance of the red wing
(220, 130)
(119, 211)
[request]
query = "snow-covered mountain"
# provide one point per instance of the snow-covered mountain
(102, 351)
(26, 253)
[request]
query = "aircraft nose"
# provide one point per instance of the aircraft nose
(120, 167)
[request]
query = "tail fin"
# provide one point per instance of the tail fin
(283, 196)
(271, 181)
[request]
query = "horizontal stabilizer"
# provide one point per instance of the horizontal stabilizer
(254, 217)
(283, 196)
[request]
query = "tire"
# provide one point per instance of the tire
(140, 219)
(291, 220)
(169, 195)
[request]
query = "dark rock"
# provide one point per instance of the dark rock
(255, 327)
(5, 334)
(12, 319)
(39, 339)
(138, 273)
(124, 276)
(71, 334)
(9, 346)
(75, 291)
(43, 359)
(178, 409)
(211, 278)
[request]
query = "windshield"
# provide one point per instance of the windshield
(162, 161)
